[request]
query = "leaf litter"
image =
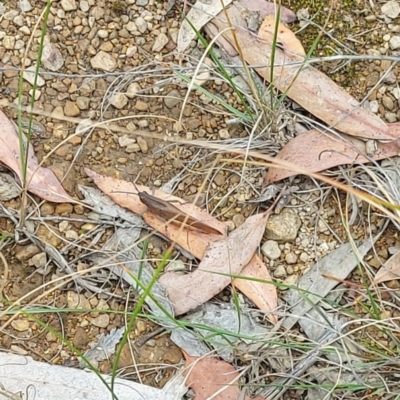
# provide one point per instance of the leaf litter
(214, 273)
(341, 111)
(41, 181)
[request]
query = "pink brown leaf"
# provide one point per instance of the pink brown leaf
(309, 87)
(212, 378)
(316, 151)
(222, 258)
(390, 270)
(262, 294)
(41, 181)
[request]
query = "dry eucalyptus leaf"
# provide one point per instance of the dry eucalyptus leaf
(309, 87)
(207, 376)
(262, 294)
(316, 151)
(390, 270)
(41, 181)
(222, 258)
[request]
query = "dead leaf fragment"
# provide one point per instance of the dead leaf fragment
(41, 181)
(262, 294)
(316, 151)
(286, 39)
(228, 256)
(390, 270)
(207, 376)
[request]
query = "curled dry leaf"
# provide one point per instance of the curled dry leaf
(41, 181)
(222, 258)
(304, 84)
(316, 151)
(390, 270)
(207, 376)
(263, 295)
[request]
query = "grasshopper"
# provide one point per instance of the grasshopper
(168, 212)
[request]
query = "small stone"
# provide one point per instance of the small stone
(68, 5)
(140, 326)
(176, 265)
(20, 325)
(219, 179)
(224, 134)
(125, 141)
(102, 33)
(283, 227)
(291, 258)
(304, 257)
(102, 321)
(119, 100)
(52, 58)
(9, 42)
(141, 24)
(133, 148)
(19, 350)
(84, 6)
(391, 9)
(71, 109)
(106, 46)
(144, 148)
(23, 253)
(394, 42)
(51, 337)
(63, 226)
(271, 250)
(97, 12)
(322, 226)
(46, 209)
(77, 301)
(132, 89)
(131, 51)
(71, 235)
(64, 209)
(80, 338)
(390, 78)
(161, 41)
(142, 3)
(9, 15)
(19, 20)
(388, 103)
(374, 106)
(83, 102)
(8, 187)
(104, 62)
(131, 26)
(390, 117)
(237, 219)
(141, 105)
(372, 79)
(289, 281)
(25, 6)
(39, 260)
(172, 99)
(280, 272)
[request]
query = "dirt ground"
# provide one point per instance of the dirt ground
(140, 36)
